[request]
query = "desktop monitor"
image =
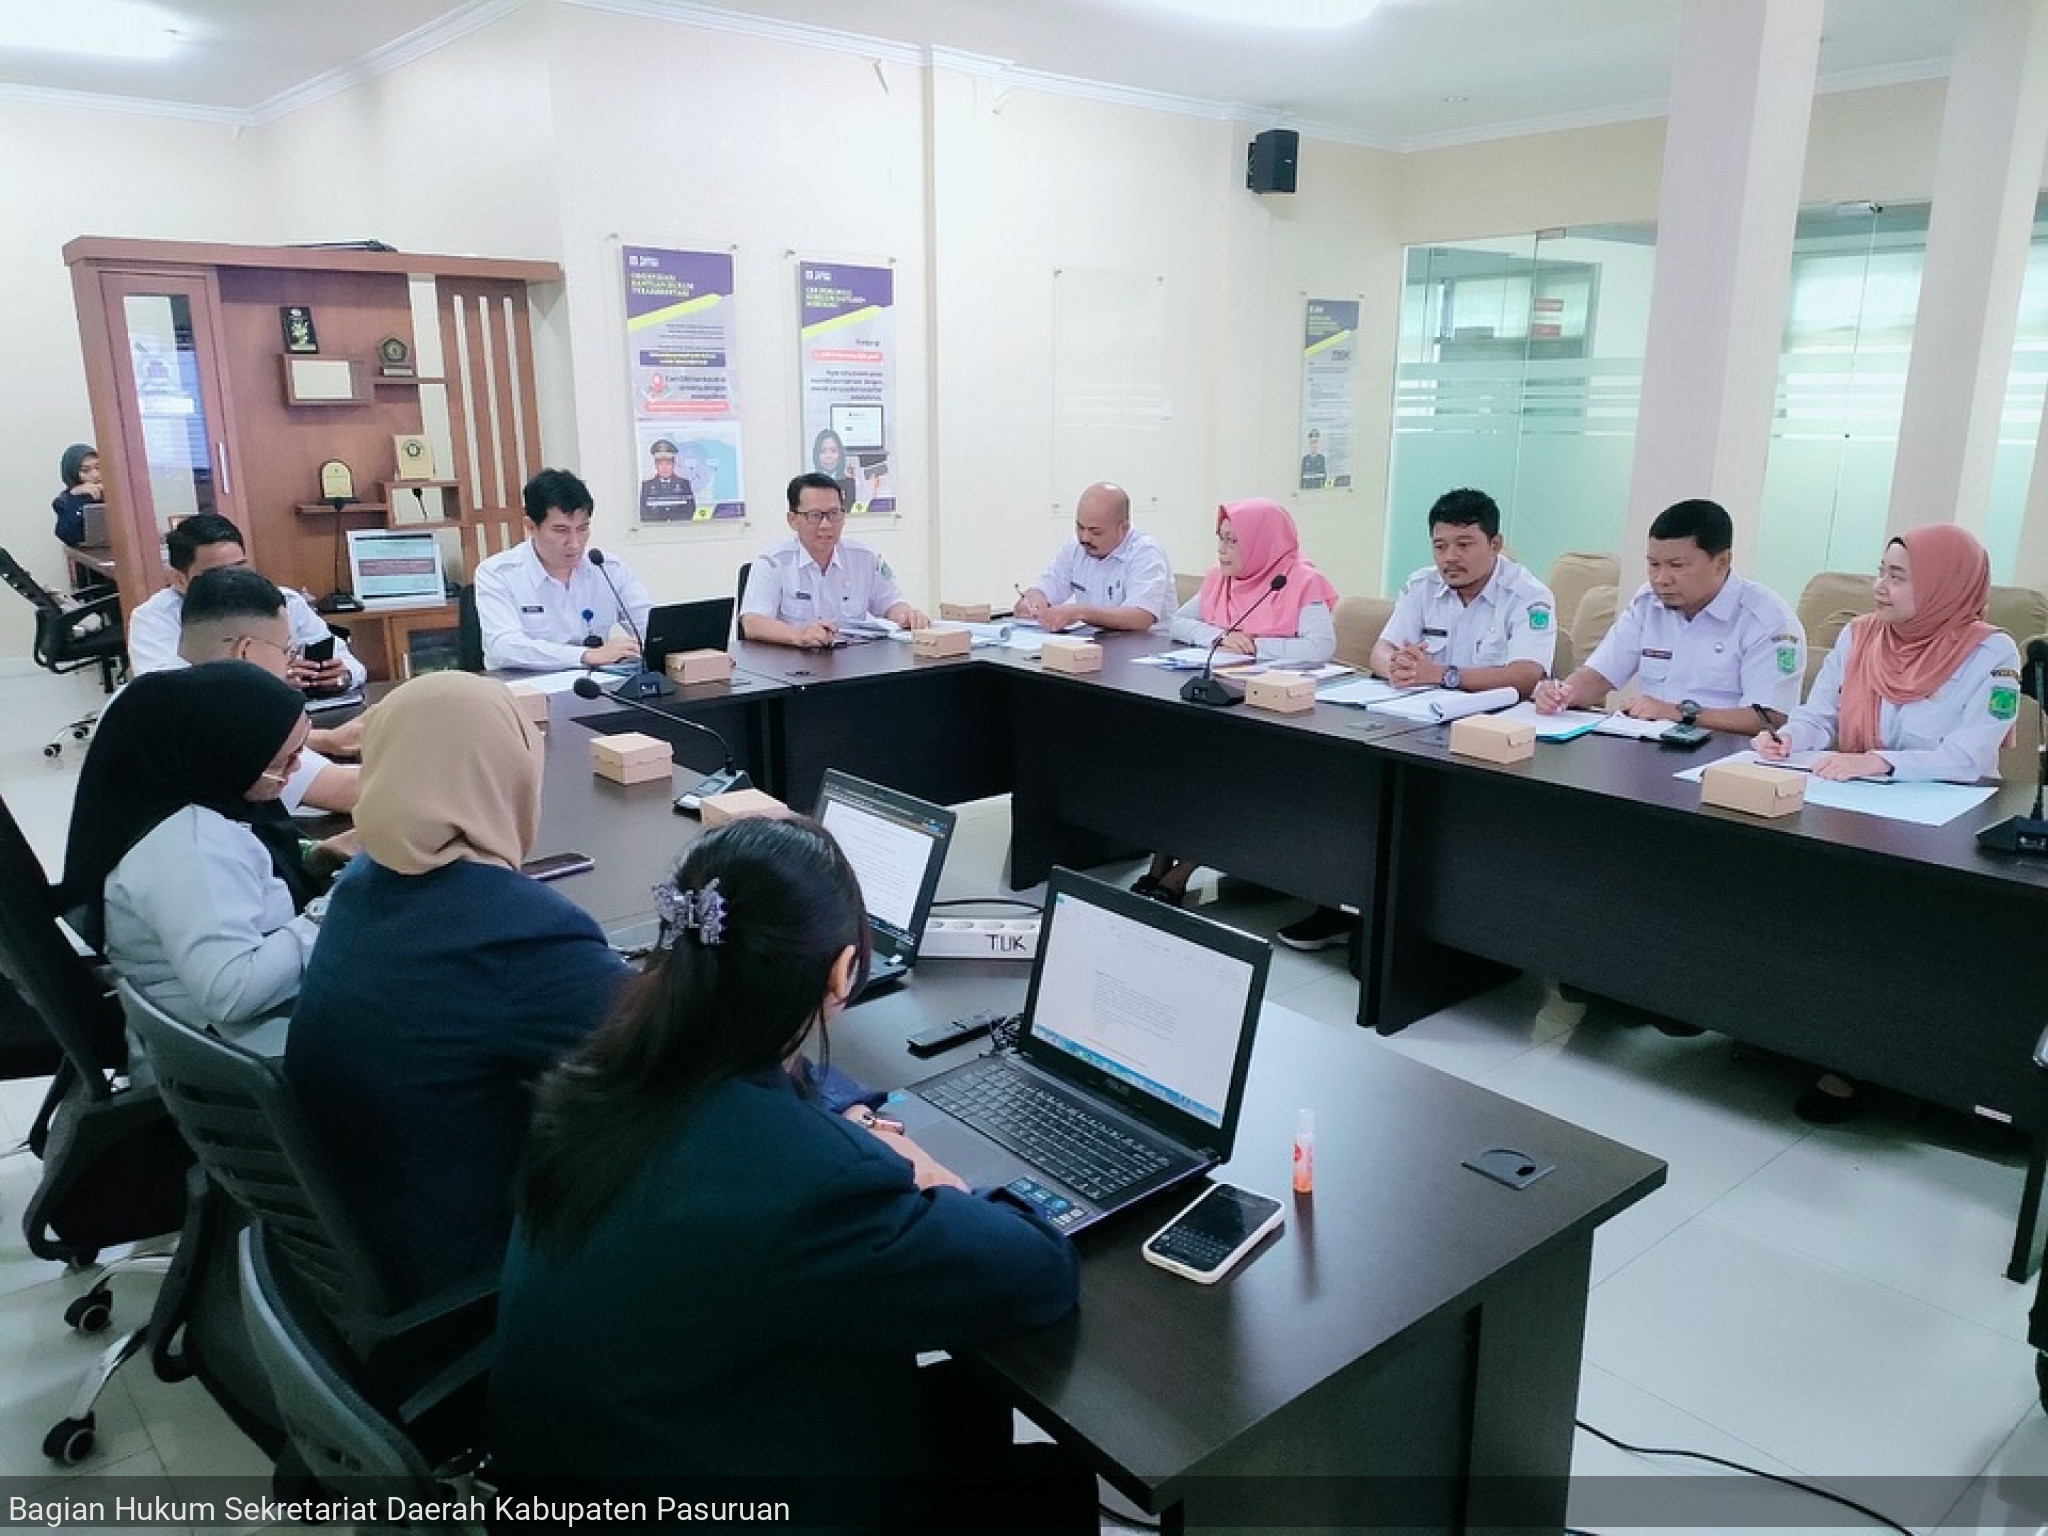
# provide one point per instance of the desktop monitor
(396, 568)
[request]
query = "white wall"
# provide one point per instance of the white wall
(560, 132)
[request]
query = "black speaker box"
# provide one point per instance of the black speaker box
(1269, 160)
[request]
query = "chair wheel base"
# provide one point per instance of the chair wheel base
(92, 1312)
(69, 1441)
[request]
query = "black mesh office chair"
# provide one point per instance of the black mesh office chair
(418, 1364)
(114, 1168)
(82, 630)
(469, 630)
(340, 1441)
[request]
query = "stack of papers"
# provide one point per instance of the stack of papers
(1192, 658)
(1366, 692)
(1570, 724)
(1438, 704)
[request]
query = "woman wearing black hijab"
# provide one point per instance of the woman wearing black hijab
(181, 865)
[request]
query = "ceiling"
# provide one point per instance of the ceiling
(1413, 73)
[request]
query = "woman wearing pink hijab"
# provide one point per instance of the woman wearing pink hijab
(1257, 548)
(1260, 599)
(1921, 688)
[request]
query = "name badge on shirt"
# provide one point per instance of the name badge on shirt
(803, 597)
(1438, 633)
(531, 608)
(1650, 655)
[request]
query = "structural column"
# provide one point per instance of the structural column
(1987, 173)
(1734, 150)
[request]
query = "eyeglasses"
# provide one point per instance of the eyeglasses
(294, 652)
(817, 515)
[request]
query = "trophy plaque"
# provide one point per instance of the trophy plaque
(415, 456)
(394, 358)
(337, 485)
(297, 321)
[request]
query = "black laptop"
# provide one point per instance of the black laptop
(897, 845)
(700, 626)
(1128, 1075)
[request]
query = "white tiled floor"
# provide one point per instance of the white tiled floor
(1821, 1303)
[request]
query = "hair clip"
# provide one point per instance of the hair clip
(700, 911)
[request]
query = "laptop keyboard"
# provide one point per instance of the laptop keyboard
(1065, 1139)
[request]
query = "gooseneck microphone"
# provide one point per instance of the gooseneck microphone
(642, 684)
(2028, 834)
(1207, 688)
(717, 783)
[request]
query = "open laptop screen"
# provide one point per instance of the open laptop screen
(1151, 998)
(392, 569)
(897, 847)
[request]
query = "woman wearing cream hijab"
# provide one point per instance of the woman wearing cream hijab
(444, 982)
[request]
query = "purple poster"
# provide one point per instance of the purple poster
(847, 321)
(686, 426)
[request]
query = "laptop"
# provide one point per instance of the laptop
(703, 626)
(1128, 1074)
(896, 844)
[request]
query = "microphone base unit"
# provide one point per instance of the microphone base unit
(644, 685)
(691, 803)
(1207, 689)
(2016, 834)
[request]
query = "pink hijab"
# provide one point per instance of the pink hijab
(1910, 661)
(1267, 546)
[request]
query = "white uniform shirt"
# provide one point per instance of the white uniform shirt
(1136, 574)
(1955, 734)
(1313, 642)
(198, 919)
(153, 634)
(1745, 647)
(785, 583)
(533, 622)
(1512, 619)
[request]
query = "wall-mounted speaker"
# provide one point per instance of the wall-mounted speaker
(1269, 160)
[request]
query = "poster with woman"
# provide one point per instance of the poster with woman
(847, 335)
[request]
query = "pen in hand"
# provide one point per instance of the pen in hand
(1770, 730)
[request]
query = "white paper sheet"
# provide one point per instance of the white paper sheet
(1926, 805)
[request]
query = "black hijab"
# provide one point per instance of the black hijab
(195, 736)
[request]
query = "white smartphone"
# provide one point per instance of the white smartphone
(1205, 1241)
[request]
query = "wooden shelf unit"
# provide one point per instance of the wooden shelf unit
(182, 356)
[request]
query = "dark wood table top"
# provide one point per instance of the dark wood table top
(1644, 774)
(1161, 1375)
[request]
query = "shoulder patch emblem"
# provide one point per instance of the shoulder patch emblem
(2005, 702)
(885, 572)
(1788, 659)
(1539, 615)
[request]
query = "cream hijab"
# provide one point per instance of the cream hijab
(451, 770)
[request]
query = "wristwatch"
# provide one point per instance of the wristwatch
(1688, 712)
(1452, 678)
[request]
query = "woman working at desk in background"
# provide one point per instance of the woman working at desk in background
(1921, 688)
(444, 983)
(181, 865)
(1260, 599)
(80, 471)
(713, 1275)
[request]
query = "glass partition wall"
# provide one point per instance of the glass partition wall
(1520, 371)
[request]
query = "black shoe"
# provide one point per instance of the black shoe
(1817, 1106)
(1146, 885)
(1676, 1029)
(1324, 928)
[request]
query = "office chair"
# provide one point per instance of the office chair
(114, 1168)
(739, 598)
(82, 631)
(340, 1442)
(469, 630)
(420, 1364)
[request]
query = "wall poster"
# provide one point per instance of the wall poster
(679, 347)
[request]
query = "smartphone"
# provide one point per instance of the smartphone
(1685, 737)
(552, 866)
(1205, 1241)
(321, 651)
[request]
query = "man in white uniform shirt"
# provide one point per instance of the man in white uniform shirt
(801, 591)
(1710, 648)
(206, 542)
(1109, 574)
(1470, 620)
(1473, 619)
(545, 605)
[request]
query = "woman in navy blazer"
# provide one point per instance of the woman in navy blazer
(712, 1274)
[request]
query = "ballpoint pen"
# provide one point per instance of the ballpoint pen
(1770, 730)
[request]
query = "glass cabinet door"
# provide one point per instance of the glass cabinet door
(173, 417)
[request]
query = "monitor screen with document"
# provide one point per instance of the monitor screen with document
(394, 568)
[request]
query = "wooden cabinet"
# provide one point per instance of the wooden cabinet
(193, 408)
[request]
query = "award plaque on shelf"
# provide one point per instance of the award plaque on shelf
(394, 358)
(337, 485)
(415, 456)
(297, 321)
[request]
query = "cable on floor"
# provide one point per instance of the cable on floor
(1735, 1466)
